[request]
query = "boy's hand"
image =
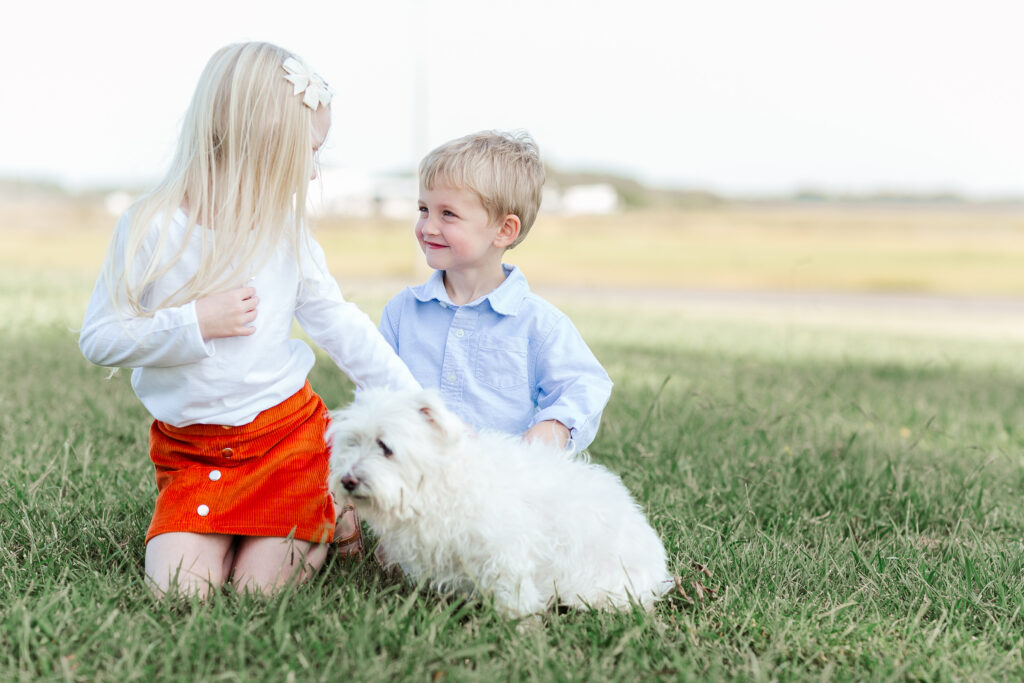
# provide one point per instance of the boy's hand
(552, 431)
(227, 314)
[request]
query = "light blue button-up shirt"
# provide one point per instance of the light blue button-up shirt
(506, 361)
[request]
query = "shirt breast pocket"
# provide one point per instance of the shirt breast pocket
(501, 362)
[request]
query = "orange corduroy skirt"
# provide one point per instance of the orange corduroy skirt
(266, 478)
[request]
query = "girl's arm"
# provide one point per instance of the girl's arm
(346, 333)
(166, 339)
(112, 338)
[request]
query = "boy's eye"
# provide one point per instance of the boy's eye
(449, 213)
(423, 209)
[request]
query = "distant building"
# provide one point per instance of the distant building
(594, 199)
(348, 192)
(117, 202)
(355, 193)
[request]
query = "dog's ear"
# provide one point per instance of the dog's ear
(338, 418)
(433, 410)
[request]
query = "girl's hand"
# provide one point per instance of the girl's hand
(552, 431)
(227, 314)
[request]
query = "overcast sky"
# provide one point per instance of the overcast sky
(736, 96)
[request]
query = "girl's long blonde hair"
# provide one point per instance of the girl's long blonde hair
(242, 168)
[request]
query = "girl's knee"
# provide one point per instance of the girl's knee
(187, 564)
(183, 585)
(266, 564)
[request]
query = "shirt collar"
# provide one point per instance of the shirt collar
(505, 299)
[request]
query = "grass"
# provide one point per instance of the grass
(964, 249)
(855, 495)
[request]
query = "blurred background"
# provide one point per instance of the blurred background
(853, 161)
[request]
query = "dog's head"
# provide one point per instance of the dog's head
(386, 446)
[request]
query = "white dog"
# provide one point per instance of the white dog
(527, 523)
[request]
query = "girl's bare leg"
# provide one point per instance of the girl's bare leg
(265, 563)
(193, 563)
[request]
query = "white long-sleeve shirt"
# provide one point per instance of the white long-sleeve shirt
(182, 379)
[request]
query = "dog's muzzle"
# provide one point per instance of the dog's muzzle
(349, 482)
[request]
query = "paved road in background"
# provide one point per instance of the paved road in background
(972, 316)
(986, 316)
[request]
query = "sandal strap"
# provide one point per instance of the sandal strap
(356, 537)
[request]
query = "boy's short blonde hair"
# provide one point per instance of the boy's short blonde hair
(503, 169)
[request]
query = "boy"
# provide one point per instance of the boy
(501, 357)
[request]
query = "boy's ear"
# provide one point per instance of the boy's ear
(508, 232)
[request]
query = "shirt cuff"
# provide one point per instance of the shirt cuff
(197, 341)
(558, 416)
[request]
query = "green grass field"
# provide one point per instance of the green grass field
(855, 495)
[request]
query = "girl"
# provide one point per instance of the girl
(202, 280)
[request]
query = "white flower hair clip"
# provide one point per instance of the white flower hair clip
(315, 91)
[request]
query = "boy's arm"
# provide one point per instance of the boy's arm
(573, 388)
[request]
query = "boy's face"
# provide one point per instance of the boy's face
(456, 233)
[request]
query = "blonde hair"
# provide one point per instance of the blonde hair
(502, 168)
(242, 167)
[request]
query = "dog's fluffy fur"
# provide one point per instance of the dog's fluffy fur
(526, 523)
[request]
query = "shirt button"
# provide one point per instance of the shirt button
(460, 333)
(203, 510)
(227, 452)
(214, 475)
(225, 426)
(443, 304)
(452, 377)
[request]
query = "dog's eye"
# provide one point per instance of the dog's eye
(384, 448)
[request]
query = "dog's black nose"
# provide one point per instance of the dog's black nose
(349, 482)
